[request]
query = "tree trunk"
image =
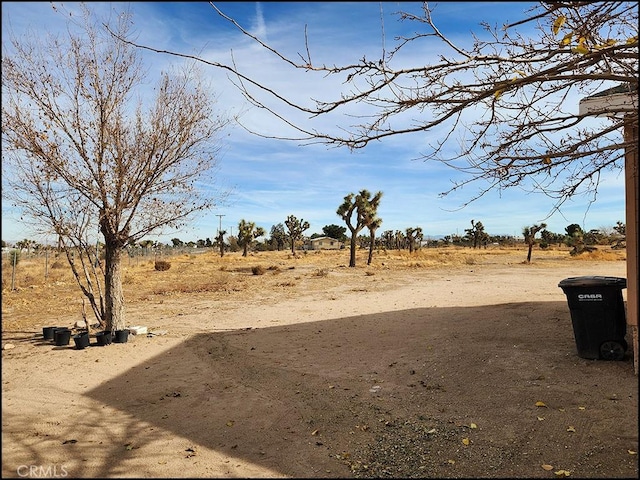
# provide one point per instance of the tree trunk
(352, 257)
(529, 253)
(373, 239)
(293, 246)
(114, 296)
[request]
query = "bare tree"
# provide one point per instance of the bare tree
(365, 207)
(81, 159)
(296, 229)
(529, 234)
(524, 86)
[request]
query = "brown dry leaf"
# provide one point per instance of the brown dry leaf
(466, 441)
(541, 404)
(473, 425)
(230, 423)
(632, 452)
(315, 432)
(547, 467)
(570, 429)
(541, 418)
(451, 462)
(582, 408)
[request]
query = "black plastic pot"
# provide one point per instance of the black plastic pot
(103, 338)
(81, 340)
(121, 336)
(61, 336)
(47, 332)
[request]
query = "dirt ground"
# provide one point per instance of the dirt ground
(315, 370)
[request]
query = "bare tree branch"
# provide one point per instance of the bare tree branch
(513, 93)
(85, 161)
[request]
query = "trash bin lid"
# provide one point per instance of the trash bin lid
(593, 281)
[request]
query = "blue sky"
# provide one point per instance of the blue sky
(271, 179)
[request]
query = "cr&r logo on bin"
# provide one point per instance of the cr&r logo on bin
(590, 297)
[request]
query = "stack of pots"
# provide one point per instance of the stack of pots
(61, 336)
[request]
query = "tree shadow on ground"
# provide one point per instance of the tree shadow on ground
(320, 399)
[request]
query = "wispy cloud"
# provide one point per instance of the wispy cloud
(273, 179)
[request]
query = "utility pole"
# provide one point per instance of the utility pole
(220, 217)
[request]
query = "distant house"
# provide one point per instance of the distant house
(325, 243)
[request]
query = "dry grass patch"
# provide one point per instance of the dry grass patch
(602, 254)
(36, 285)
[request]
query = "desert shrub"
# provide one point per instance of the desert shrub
(599, 255)
(258, 270)
(321, 272)
(162, 265)
(470, 260)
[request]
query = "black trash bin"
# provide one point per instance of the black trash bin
(598, 316)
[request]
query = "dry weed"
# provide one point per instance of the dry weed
(321, 272)
(162, 265)
(258, 270)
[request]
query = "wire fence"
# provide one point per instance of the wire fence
(12, 258)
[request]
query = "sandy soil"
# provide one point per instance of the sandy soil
(468, 371)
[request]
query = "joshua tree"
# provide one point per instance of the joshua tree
(220, 240)
(529, 234)
(372, 224)
(476, 234)
(413, 235)
(247, 233)
(278, 236)
(296, 229)
(365, 207)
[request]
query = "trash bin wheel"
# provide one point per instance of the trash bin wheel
(612, 350)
